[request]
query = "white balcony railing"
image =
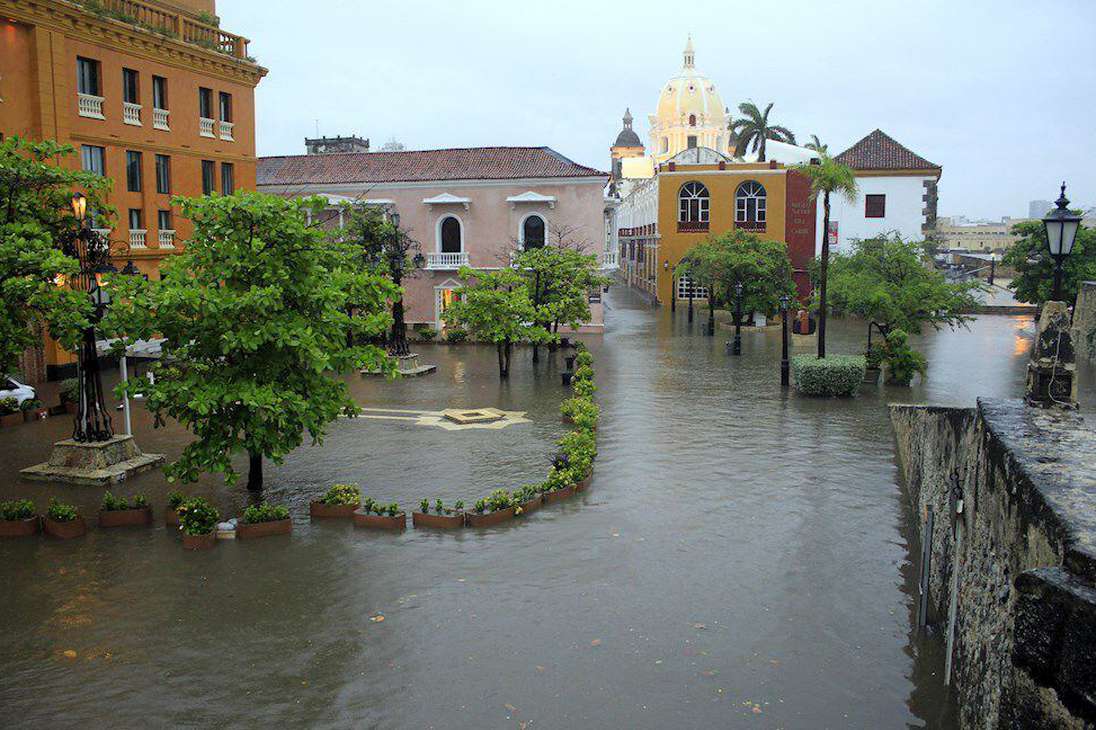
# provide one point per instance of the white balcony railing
(131, 113)
(90, 106)
(226, 131)
(167, 239)
(446, 260)
(103, 233)
(137, 238)
(160, 119)
(609, 260)
(205, 127)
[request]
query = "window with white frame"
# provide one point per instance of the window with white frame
(693, 203)
(533, 232)
(749, 203)
(449, 235)
(685, 286)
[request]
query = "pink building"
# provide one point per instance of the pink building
(471, 206)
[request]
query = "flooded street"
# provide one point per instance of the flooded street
(740, 560)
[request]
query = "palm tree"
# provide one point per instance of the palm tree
(816, 145)
(828, 176)
(753, 128)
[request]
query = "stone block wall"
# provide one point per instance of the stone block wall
(1025, 629)
(1084, 321)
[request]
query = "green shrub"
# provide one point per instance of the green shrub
(17, 509)
(174, 499)
(835, 375)
(70, 390)
(8, 405)
(874, 356)
(584, 358)
(558, 478)
(198, 517)
(579, 449)
(584, 372)
(456, 334)
(903, 362)
(265, 513)
(583, 388)
(426, 332)
(371, 505)
(30, 405)
(499, 499)
(424, 506)
(343, 494)
(61, 512)
(140, 501)
(113, 504)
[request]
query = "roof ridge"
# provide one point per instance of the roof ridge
(877, 150)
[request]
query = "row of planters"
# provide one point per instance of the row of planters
(12, 412)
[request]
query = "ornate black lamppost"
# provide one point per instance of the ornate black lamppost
(1061, 227)
(784, 369)
(673, 286)
(711, 310)
(92, 421)
(736, 347)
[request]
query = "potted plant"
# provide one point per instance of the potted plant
(582, 412)
(33, 410)
(874, 357)
(171, 512)
(198, 522)
(443, 517)
(339, 501)
(455, 335)
(380, 516)
(70, 394)
(117, 512)
(9, 412)
(559, 485)
(495, 508)
(63, 521)
(528, 498)
(18, 518)
(262, 520)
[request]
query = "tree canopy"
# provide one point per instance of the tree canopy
(753, 129)
(1030, 257)
(762, 266)
(35, 217)
(558, 281)
(255, 311)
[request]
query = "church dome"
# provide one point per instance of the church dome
(627, 136)
(690, 98)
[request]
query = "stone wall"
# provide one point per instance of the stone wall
(1084, 321)
(1013, 495)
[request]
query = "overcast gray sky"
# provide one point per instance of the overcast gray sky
(1001, 94)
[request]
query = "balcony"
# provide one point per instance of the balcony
(131, 113)
(90, 106)
(160, 119)
(226, 131)
(754, 226)
(692, 226)
(205, 127)
(137, 238)
(167, 239)
(102, 233)
(436, 261)
(609, 260)
(175, 25)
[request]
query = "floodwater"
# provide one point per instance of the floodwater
(742, 559)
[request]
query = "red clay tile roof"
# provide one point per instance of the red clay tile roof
(877, 151)
(470, 163)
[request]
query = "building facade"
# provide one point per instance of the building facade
(978, 236)
(466, 207)
(701, 193)
(151, 93)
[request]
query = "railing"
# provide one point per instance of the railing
(446, 260)
(89, 105)
(131, 113)
(137, 238)
(173, 25)
(609, 260)
(205, 127)
(756, 226)
(160, 119)
(167, 239)
(103, 233)
(226, 131)
(692, 226)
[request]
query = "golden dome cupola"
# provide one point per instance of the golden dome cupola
(690, 112)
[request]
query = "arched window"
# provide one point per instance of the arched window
(532, 232)
(693, 206)
(749, 205)
(450, 236)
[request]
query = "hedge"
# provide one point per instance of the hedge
(833, 375)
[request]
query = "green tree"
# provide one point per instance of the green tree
(817, 145)
(827, 177)
(35, 219)
(1030, 258)
(255, 315)
(495, 307)
(753, 128)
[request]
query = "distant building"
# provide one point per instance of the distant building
(335, 145)
(1039, 208)
(977, 236)
(466, 207)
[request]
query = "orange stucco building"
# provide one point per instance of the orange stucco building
(151, 93)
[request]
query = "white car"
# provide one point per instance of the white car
(12, 388)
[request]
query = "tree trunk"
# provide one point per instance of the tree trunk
(711, 310)
(397, 340)
(823, 269)
(503, 350)
(255, 472)
(509, 350)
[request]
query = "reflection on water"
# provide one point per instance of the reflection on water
(742, 556)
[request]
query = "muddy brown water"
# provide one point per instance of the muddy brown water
(741, 559)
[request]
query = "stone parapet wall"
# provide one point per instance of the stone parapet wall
(1025, 620)
(1084, 321)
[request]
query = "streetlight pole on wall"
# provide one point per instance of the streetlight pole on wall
(784, 369)
(1061, 228)
(736, 346)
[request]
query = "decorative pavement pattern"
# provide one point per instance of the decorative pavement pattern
(451, 419)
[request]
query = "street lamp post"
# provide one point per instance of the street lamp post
(92, 422)
(1061, 227)
(691, 301)
(711, 310)
(736, 347)
(784, 368)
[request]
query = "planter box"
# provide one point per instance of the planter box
(36, 415)
(200, 542)
(871, 376)
(490, 518)
(581, 486)
(20, 528)
(11, 419)
(245, 530)
(171, 517)
(559, 495)
(532, 505)
(66, 530)
(125, 517)
(324, 510)
(442, 522)
(380, 522)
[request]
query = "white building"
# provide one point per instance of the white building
(897, 193)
